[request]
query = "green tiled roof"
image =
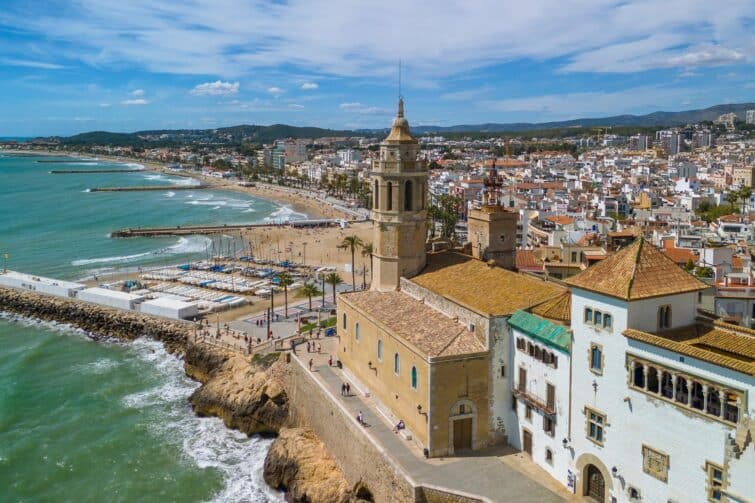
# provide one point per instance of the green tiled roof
(553, 335)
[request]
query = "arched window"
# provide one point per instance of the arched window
(344, 321)
(356, 331)
(652, 380)
(376, 196)
(408, 196)
(639, 375)
(389, 196)
(667, 385)
(682, 390)
(664, 317)
(380, 350)
(414, 377)
(396, 363)
(714, 402)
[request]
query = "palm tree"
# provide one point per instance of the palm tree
(368, 249)
(745, 193)
(309, 290)
(285, 280)
(333, 279)
(352, 243)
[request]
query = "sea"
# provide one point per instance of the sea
(110, 421)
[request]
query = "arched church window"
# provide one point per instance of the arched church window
(389, 194)
(408, 196)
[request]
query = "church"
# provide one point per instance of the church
(612, 382)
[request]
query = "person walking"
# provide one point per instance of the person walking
(348, 389)
(330, 361)
(310, 364)
(343, 389)
(308, 351)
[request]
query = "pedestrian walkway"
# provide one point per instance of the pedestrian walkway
(488, 473)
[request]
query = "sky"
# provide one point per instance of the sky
(68, 66)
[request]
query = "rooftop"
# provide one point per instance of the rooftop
(639, 271)
(427, 329)
(486, 289)
(721, 344)
(558, 308)
(556, 336)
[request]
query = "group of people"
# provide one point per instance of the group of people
(345, 389)
(313, 347)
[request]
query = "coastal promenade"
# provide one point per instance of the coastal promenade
(497, 474)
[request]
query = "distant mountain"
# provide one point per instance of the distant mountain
(236, 135)
(654, 119)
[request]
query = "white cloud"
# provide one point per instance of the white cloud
(137, 93)
(309, 86)
(224, 37)
(295, 106)
(104, 105)
(136, 101)
(31, 64)
(275, 91)
(361, 108)
(217, 88)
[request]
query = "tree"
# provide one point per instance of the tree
(352, 243)
(446, 211)
(368, 250)
(333, 279)
(744, 194)
(689, 266)
(732, 198)
(309, 290)
(285, 280)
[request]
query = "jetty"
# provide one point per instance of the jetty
(148, 187)
(70, 159)
(78, 171)
(182, 230)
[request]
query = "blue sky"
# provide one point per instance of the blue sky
(68, 66)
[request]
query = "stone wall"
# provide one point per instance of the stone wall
(100, 321)
(428, 494)
(362, 462)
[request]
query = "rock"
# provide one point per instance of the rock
(245, 396)
(299, 463)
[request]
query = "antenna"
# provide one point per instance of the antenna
(399, 78)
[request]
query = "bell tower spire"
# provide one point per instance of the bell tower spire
(399, 213)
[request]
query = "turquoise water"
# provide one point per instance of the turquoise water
(50, 225)
(88, 421)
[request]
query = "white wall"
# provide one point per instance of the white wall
(643, 314)
(538, 375)
(634, 418)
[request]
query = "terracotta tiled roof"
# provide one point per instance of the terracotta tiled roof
(431, 332)
(726, 347)
(558, 308)
(639, 271)
(680, 255)
(487, 290)
(560, 219)
(526, 260)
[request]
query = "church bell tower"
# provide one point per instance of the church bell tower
(399, 213)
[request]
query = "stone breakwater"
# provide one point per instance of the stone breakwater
(248, 394)
(98, 321)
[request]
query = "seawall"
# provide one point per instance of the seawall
(99, 321)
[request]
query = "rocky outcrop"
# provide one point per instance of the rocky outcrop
(247, 396)
(99, 321)
(299, 463)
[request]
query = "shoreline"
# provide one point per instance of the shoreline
(300, 200)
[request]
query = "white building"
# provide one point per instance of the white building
(541, 367)
(661, 400)
(39, 284)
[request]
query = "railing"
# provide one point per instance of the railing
(522, 393)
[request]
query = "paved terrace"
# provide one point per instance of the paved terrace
(499, 474)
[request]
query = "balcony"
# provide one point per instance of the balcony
(532, 399)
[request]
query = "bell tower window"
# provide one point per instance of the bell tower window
(408, 196)
(376, 196)
(389, 194)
